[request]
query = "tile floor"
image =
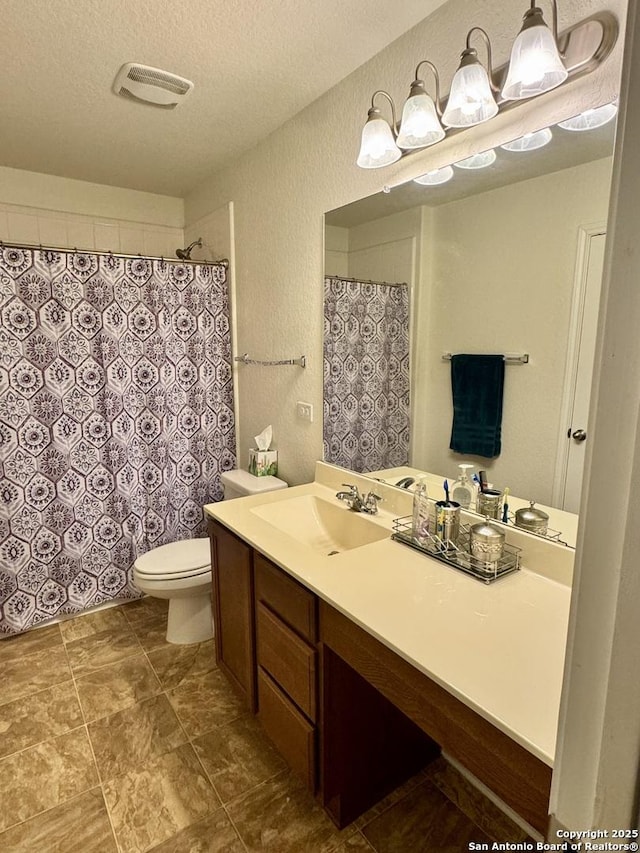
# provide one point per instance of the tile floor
(114, 741)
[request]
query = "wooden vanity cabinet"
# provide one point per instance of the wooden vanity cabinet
(350, 716)
(233, 610)
(286, 632)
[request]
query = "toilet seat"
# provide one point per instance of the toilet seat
(187, 558)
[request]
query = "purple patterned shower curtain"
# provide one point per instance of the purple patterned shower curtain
(366, 374)
(116, 419)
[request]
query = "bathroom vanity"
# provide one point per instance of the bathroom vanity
(363, 665)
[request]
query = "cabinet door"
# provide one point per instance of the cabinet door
(233, 609)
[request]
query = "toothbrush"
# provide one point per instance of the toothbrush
(446, 491)
(505, 506)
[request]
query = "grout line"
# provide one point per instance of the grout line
(46, 811)
(93, 754)
(236, 830)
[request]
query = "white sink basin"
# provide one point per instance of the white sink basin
(325, 527)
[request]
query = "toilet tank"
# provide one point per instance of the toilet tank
(238, 484)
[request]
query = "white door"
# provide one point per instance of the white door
(577, 427)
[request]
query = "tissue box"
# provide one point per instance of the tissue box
(263, 463)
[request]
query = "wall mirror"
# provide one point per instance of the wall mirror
(505, 259)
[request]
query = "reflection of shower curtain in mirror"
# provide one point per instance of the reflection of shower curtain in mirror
(116, 419)
(366, 374)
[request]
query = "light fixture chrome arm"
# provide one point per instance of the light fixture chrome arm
(472, 51)
(554, 20)
(374, 112)
(417, 87)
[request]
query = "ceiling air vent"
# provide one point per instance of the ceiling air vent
(151, 85)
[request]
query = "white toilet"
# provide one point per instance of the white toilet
(181, 571)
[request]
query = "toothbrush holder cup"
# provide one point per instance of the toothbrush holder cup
(447, 521)
(489, 503)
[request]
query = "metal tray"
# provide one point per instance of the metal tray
(457, 554)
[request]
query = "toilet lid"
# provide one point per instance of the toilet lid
(177, 558)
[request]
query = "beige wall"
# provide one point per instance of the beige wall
(336, 251)
(386, 249)
(282, 188)
(51, 211)
(502, 275)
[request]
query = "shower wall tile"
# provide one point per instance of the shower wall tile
(39, 226)
(53, 232)
(131, 240)
(23, 228)
(80, 235)
(162, 243)
(106, 237)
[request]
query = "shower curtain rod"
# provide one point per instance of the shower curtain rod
(368, 281)
(224, 262)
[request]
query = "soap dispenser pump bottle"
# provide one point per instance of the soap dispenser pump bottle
(421, 511)
(463, 491)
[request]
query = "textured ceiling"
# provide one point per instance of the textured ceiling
(255, 64)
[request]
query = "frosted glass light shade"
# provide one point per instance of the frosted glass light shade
(420, 125)
(590, 119)
(530, 141)
(435, 177)
(477, 161)
(471, 100)
(377, 147)
(535, 66)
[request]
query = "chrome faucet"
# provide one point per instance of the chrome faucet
(357, 502)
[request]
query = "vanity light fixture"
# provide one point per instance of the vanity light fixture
(536, 65)
(471, 100)
(378, 146)
(530, 141)
(541, 60)
(478, 161)
(435, 177)
(420, 125)
(590, 119)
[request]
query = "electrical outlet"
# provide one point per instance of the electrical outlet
(305, 411)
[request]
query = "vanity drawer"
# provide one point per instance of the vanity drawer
(295, 604)
(290, 731)
(288, 660)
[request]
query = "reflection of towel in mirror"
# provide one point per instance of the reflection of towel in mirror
(477, 383)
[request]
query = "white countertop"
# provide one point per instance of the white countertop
(498, 647)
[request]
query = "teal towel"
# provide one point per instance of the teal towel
(477, 383)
